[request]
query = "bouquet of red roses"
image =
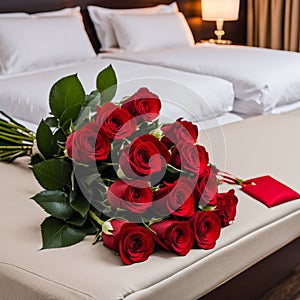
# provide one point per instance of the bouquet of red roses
(114, 171)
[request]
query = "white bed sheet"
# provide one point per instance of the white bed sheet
(286, 108)
(197, 98)
(263, 79)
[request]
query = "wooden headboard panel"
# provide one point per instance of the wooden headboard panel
(191, 9)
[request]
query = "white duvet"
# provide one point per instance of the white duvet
(193, 97)
(262, 78)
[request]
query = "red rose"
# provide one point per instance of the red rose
(144, 156)
(115, 122)
(180, 131)
(143, 104)
(133, 242)
(87, 144)
(173, 235)
(176, 198)
(190, 157)
(206, 189)
(206, 226)
(226, 206)
(136, 197)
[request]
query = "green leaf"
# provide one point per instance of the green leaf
(173, 170)
(66, 126)
(92, 101)
(77, 220)
(80, 204)
(66, 92)
(107, 84)
(57, 233)
(89, 228)
(53, 174)
(51, 122)
(35, 159)
(54, 203)
(171, 174)
(71, 113)
(94, 96)
(44, 138)
(59, 137)
(154, 220)
(208, 208)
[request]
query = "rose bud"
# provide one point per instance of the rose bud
(175, 198)
(226, 206)
(190, 157)
(179, 132)
(133, 242)
(173, 235)
(206, 226)
(144, 156)
(206, 189)
(87, 144)
(115, 122)
(135, 197)
(143, 104)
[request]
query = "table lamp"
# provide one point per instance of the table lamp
(220, 11)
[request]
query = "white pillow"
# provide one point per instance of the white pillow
(72, 11)
(34, 43)
(151, 32)
(14, 15)
(101, 20)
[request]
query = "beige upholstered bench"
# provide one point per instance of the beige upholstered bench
(254, 147)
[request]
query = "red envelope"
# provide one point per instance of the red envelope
(269, 191)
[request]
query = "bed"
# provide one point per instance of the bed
(206, 97)
(209, 274)
(265, 81)
(27, 63)
(259, 87)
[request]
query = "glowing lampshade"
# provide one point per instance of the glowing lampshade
(220, 11)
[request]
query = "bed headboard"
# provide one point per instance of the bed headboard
(191, 9)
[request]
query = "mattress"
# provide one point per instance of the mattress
(263, 79)
(253, 147)
(286, 108)
(226, 118)
(242, 108)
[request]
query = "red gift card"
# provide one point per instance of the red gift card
(269, 191)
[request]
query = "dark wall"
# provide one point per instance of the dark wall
(235, 31)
